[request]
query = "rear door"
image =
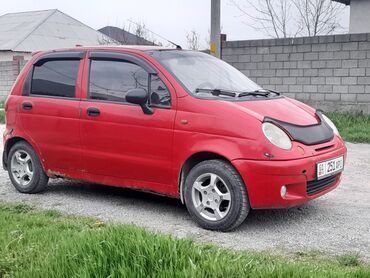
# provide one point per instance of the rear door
(49, 111)
(119, 140)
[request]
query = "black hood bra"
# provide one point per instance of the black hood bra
(309, 134)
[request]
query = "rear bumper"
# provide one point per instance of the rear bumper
(264, 180)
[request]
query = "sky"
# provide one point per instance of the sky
(172, 19)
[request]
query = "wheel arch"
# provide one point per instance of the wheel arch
(10, 143)
(191, 162)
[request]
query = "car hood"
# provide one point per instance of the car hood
(283, 109)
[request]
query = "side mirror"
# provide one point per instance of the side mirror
(139, 96)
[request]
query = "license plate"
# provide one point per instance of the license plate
(329, 167)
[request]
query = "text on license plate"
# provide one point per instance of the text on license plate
(329, 167)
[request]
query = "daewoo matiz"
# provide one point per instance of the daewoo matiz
(174, 122)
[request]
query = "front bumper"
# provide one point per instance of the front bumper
(264, 179)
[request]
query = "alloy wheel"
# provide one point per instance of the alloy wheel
(21, 167)
(211, 197)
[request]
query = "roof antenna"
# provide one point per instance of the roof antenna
(163, 38)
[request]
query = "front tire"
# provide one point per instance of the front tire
(216, 196)
(25, 169)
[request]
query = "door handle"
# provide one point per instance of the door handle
(93, 112)
(27, 105)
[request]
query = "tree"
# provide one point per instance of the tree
(291, 18)
(137, 28)
(318, 17)
(106, 40)
(140, 30)
(192, 39)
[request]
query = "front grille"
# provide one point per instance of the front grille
(324, 148)
(318, 185)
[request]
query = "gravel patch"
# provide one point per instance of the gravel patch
(337, 223)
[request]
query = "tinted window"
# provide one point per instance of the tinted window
(111, 80)
(55, 78)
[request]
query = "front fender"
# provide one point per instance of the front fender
(189, 143)
(186, 144)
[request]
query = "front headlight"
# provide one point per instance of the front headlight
(331, 124)
(276, 136)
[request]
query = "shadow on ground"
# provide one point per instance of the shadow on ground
(260, 219)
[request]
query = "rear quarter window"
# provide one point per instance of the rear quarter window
(55, 78)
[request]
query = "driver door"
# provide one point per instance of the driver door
(119, 140)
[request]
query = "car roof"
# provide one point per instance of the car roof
(140, 48)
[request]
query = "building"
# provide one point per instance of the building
(359, 18)
(26, 32)
(124, 37)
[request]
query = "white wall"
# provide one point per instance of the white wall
(360, 16)
(8, 55)
(9, 70)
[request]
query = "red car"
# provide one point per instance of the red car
(179, 123)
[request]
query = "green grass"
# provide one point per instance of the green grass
(2, 112)
(2, 117)
(349, 260)
(48, 244)
(353, 127)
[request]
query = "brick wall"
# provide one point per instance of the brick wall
(328, 72)
(9, 71)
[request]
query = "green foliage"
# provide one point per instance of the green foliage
(2, 116)
(349, 260)
(16, 208)
(47, 244)
(353, 127)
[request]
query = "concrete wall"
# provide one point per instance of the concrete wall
(328, 72)
(8, 55)
(9, 71)
(359, 21)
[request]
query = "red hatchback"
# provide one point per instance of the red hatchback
(174, 122)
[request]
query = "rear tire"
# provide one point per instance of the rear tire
(215, 196)
(25, 169)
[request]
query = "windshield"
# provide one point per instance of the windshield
(200, 72)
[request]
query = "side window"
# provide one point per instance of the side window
(111, 80)
(55, 78)
(159, 95)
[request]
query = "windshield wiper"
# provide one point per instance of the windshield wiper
(221, 92)
(263, 93)
(216, 92)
